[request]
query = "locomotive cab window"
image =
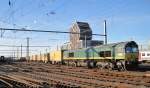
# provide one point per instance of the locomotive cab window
(134, 49)
(128, 49)
(131, 49)
(71, 55)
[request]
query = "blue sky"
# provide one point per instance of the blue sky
(126, 19)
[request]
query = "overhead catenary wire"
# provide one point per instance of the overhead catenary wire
(16, 50)
(21, 46)
(23, 29)
(10, 13)
(12, 52)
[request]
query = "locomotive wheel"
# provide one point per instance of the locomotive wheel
(99, 66)
(93, 64)
(89, 64)
(76, 63)
(110, 66)
(121, 66)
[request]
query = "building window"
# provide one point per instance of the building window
(71, 55)
(143, 54)
(105, 54)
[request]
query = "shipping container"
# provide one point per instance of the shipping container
(55, 56)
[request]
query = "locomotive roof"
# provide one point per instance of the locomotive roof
(122, 44)
(119, 44)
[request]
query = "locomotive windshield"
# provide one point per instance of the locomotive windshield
(134, 49)
(131, 49)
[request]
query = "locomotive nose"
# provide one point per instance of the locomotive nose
(132, 56)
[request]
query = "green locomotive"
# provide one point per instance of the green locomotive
(117, 55)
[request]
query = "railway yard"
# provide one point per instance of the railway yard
(74, 44)
(45, 75)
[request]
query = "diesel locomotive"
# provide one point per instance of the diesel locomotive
(120, 55)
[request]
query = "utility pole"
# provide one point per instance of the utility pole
(46, 50)
(105, 31)
(2, 33)
(17, 53)
(57, 47)
(40, 56)
(21, 51)
(85, 42)
(14, 55)
(27, 55)
(141, 48)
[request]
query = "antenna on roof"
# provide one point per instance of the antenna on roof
(105, 31)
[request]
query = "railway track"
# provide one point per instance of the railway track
(72, 77)
(13, 82)
(10, 71)
(126, 79)
(105, 76)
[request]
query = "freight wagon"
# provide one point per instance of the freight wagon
(56, 57)
(41, 58)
